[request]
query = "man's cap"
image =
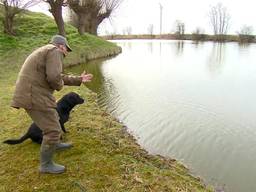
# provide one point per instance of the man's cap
(60, 40)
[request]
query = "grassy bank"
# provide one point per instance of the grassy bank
(35, 29)
(104, 156)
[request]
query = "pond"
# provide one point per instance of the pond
(194, 102)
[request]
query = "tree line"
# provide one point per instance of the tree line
(85, 15)
(219, 20)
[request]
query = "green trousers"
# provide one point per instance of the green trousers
(48, 121)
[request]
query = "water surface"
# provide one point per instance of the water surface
(193, 102)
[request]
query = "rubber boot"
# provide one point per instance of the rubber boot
(61, 146)
(46, 163)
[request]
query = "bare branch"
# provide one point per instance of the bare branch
(219, 19)
(11, 9)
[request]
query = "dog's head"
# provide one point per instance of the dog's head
(74, 98)
(71, 99)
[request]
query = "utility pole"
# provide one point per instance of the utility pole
(161, 14)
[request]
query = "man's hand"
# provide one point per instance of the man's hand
(86, 77)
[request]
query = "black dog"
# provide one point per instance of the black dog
(64, 106)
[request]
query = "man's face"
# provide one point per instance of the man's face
(63, 49)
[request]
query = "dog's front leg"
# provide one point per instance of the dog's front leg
(63, 127)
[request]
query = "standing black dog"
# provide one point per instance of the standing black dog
(64, 106)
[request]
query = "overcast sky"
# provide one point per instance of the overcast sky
(139, 14)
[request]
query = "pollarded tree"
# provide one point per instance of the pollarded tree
(219, 19)
(90, 13)
(13, 8)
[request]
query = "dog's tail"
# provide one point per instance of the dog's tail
(16, 141)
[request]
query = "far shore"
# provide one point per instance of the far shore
(193, 37)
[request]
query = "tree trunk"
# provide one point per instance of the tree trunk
(85, 24)
(81, 30)
(59, 21)
(94, 27)
(56, 10)
(90, 24)
(91, 13)
(8, 24)
(81, 24)
(9, 15)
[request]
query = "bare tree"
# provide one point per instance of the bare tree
(56, 11)
(90, 13)
(13, 8)
(246, 34)
(180, 27)
(198, 30)
(246, 30)
(124, 31)
(198, 34)
(151, 29)
(219, 19)
(127, 30)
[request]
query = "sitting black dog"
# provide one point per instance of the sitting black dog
(64, 106)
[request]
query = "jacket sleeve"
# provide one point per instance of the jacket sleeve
(71, 80)
(54, 69)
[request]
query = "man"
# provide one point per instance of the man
(40, 75)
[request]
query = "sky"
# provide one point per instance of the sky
(139, 14)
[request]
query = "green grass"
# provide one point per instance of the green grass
(36, 29)
(104, 156)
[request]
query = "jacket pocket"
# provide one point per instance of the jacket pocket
(23, 94)
(42, 98)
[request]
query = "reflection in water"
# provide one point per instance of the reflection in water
(107, 94)
(180, 47)
(160, 48)
(150, 46)
(128, 45)
(174, 107)
(108, 97)
(92, 67)
(216, 58)
(197, 44)
(244, 47)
